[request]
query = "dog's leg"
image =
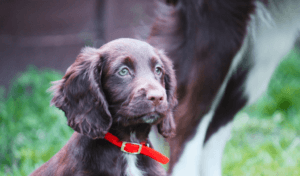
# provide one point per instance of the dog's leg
(272, 40)
(211, 163)
(228, 101)
(189, 162)
(271, 36)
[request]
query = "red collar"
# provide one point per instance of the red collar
(135, 148)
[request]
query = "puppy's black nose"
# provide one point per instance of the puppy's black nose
(155, 96)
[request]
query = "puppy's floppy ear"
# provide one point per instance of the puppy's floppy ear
(167, 127)
(79, 94)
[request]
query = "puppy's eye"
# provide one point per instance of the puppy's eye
(123, 71)
(158, 69)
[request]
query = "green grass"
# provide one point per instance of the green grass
(262, 147)
(31, 130)
(265, 137)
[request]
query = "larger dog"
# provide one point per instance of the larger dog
(117, 93)
(224, 52)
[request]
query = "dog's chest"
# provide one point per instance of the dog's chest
(131, 168)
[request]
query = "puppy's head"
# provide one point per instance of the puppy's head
(126, 81)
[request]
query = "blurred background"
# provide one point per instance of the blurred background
(51, 33)
(39, 40)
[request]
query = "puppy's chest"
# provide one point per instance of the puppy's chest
(131, 167)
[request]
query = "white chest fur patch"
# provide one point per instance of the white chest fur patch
(132, 169)
(131, 159)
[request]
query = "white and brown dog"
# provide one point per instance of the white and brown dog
(224, 53)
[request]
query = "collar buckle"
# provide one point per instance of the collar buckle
(124, 144)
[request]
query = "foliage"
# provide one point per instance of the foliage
(31, 130)
(266, 136)
(283, 94)
(262, 147)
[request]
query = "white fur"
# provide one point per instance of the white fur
(131, 168)
(271, 43)
(190, 160)
(213, 151)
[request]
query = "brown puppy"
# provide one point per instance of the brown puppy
(124, 88)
